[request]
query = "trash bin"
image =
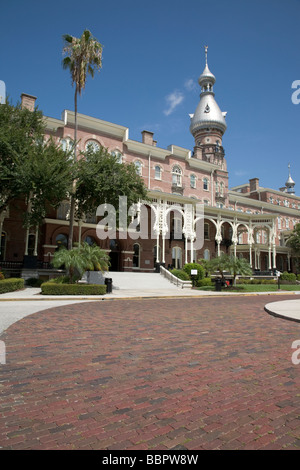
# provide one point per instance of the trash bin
(108, 283)
(218, 284)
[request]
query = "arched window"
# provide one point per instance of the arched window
(205, 184)
(206, 254)
(177, 176)
(193, 181)
(92, 146)
(136, 256)
(67, 145)
(138, 167)
(157, 172)
(61, 240)
(118, 156)
(90, 240)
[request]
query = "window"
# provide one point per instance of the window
(67, 145)
(206, 202)
(177, 176)
(63, 211)
(158, 172)
(136, 256)
(92, 145)
(193, 181)
(90, 240)
(206, 231)
(206, 254)
(205, 184)
(222, 188)
(279, 222)
(138, 167)
(118, 156)
(177, 257)
(61, 240)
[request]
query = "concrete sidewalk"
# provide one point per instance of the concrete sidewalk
(288, 309)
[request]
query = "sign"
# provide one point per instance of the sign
(194, 272)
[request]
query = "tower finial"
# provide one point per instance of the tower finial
(205, 47)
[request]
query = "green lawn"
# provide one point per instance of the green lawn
(255, 288)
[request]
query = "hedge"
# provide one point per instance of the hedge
(180, 274)
(11, 284)
(50, 288)
(206, 282)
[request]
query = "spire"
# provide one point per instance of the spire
(290, 183)
(208, 113)
(206, 79)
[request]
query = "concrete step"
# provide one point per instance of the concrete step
(140, 281)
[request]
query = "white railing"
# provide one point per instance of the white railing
(175, 280)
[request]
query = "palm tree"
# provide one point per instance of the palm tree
(96, 259)
(72, 260)
(83, 57)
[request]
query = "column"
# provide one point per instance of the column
(270, 257)
(36, 241)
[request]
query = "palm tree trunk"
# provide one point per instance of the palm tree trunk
(72, 207)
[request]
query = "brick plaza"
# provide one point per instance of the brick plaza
(152, 374)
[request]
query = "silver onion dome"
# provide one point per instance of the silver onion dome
(208, 113)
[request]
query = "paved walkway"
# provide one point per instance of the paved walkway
(171, 373)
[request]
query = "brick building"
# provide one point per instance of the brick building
(247, 220)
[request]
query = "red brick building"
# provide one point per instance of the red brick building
(247, 220)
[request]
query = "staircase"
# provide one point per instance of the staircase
(140, 282)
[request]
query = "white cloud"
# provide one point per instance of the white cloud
(173, 100)
(190, 85)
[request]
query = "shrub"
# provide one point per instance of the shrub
(52, 288)
(201, 271)
(180, 274)
(60, 280)
(11, 284)
(1, 275)
(285, 276)
(34, 282)
(205, 282)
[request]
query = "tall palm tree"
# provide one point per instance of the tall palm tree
(83, 57)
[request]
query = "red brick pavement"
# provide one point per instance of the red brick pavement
(211, 373)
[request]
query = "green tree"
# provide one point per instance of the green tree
(294, 243)
(96, 259)
(232, 264)
(72, 260)
(83, 57)
(101, 179)
(238, 266)
(32, 169)
(45, 179)
(20, 129)
(79, 259)
(220, 264)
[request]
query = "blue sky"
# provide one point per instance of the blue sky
(153, 55)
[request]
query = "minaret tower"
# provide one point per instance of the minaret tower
(290, 183)
(208, 123)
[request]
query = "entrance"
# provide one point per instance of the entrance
(114, 261)
(114, 256)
